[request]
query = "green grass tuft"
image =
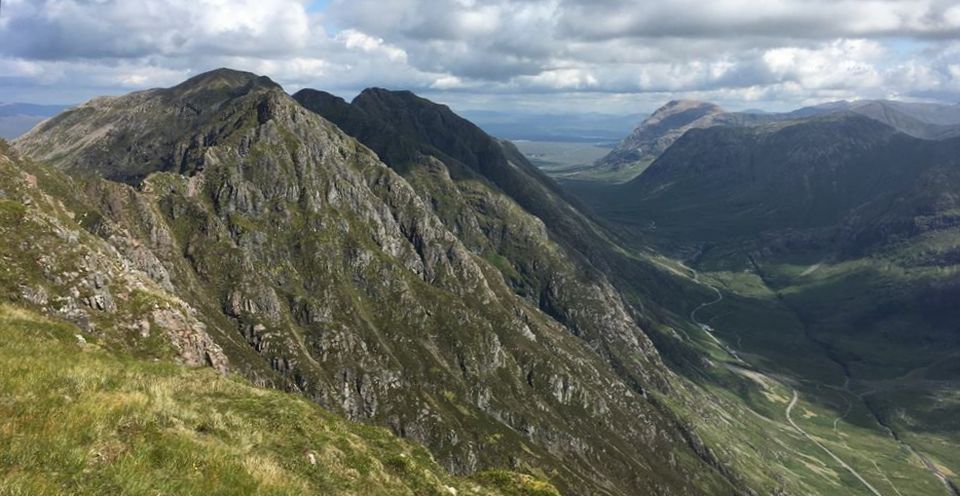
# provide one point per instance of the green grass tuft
(76, 419)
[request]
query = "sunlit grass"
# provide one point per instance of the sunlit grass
(77, 419)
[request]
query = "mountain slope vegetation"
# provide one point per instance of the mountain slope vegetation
(313, 267)
(390, 262)
(81, 419)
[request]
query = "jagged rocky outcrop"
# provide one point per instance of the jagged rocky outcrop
(502, 208)
(456, 304)
(53, 264)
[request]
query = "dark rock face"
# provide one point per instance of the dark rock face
(461, 304)
(503, 208)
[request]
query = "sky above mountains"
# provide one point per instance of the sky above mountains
(612, 56)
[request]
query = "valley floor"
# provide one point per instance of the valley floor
(846, 445)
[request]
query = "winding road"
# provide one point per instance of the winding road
(793, 402)
(709, 330)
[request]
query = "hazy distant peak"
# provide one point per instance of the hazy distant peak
(681, 105)
(681, 112)
(657, 132)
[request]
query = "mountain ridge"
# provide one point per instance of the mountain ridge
(788, 157)
(395, 264)
(665, 125)
(322, 271)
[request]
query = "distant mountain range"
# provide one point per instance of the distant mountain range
(842, 172)
(656, 133)
(18, 118)
(588, 127)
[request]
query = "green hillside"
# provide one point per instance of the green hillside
(80, 419)
(834, 240)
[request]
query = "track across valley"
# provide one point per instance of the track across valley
(709, 330)
(793, 402)
(789, 411)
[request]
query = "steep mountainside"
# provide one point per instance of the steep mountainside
(657, 132)
(504, 209)
(292, 255)
(94, 403)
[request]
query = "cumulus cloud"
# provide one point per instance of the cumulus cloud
(776, 19)
(572, 54)
(353, 39)
(78, 29)
(799, 51)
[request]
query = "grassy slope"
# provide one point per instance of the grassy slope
(79, 419)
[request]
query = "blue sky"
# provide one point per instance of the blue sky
(318, 5)
(615, 56)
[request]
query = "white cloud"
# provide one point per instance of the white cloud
(447, 82)
(565, 53)
(353, 39)
(565, 79)
(77, 29)
(840, 64)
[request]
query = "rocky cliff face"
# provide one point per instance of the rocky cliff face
(503, 209)
(52, 263)
(437, 304)
(657, 132)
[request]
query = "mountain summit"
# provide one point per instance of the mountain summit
(461, 304)
(128, 137)
(657, 132)
(391, 262)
